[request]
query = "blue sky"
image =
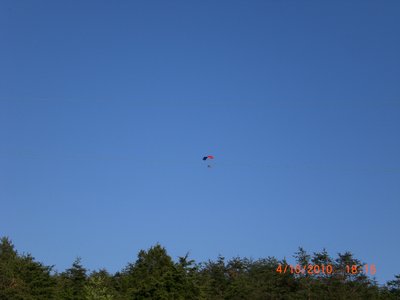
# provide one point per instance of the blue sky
(107, 107)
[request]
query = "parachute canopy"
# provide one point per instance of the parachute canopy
(208, 157)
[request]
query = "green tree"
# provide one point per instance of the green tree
(37, 277)
(394, 286)
(154, 275)
(215, 278)
(99, 286)
(11, 284)
(72, 282)
(21, 277)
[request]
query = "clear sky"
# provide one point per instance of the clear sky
(107, 108)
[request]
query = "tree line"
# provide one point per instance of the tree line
(155, 275)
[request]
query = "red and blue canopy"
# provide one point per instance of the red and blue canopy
(208, 157)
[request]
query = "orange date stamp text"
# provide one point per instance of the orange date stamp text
(326, 269)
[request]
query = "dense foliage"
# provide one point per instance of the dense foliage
(155, 275)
